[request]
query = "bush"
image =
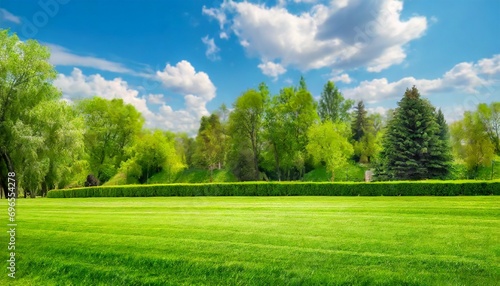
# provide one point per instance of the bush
(420, 188)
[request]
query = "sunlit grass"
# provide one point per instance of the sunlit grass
(257, 240)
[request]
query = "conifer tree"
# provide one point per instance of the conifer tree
(360, 124)
(442, 159)
(413, 149)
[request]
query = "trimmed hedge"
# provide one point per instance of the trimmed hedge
(402, 188)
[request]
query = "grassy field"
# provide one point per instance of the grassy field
(256, 240)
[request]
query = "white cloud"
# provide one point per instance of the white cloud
(155, 98)
(272, 69)
(9, 17)
(379, 109)
(196, 88)
(60, 56)
(471, 78)
(215, 13)
(212, 49)
(77, 86)
(345, 78)
(343, 35)
(182, 78)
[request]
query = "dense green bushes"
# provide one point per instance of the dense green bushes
(421, 188)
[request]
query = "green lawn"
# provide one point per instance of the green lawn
(256, 240)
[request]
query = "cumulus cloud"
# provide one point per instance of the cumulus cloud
(183, 78)
(9, 17)
(212, 49)
(345, 78)
(341, 35)
(272, 69)
(195, 87)
(155, 98)
(467, 77)
(78, 86)
(60, 56)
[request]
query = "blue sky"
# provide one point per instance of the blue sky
(176, 61)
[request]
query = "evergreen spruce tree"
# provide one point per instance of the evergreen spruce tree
(413, 149)
(360, 125)
(441, 163)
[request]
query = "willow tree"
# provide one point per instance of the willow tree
(25, 82)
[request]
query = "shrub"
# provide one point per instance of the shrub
(419, 188)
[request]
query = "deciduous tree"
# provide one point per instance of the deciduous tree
(329, 143)
(25, 82)
(332, 104)
(245, 123)
(110, 127)
(471, 142)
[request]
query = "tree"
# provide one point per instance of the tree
(332, 105)
(443, 149)
(110, 127)
(288, 117)
(328, 143)
(186, 147)
(25, 82)
(367, 147)
(412, 147)
(275, 136)
(223, 113)
(471, 142)
(209, 143)
(489, 116)
(360, 124)
(151, 153)
(60, 156)
(245, 123)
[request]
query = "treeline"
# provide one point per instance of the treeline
(51, 144)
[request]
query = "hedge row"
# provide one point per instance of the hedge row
(422, 188)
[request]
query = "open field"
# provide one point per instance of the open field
(256, 240)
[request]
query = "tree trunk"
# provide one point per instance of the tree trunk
(255, 158)
(10, 169)
(277, 160)
(3, 184)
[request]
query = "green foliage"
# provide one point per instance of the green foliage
(201, 176)
(350, 173)
(152, 153)
(210, 143)
(332, 104)
(245, 124)
(413, 149)
(328, 143)
(402, 188)
(366, 134)
(471, 142)
(111, 126)
(489, 115)
(288, 117)
(31, 142)
(61, 130)
(360, 125)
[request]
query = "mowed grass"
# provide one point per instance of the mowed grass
(257, 241)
